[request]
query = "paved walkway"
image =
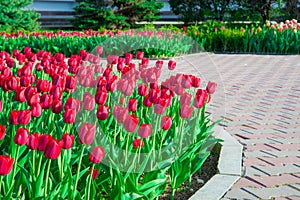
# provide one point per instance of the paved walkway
(259, 96)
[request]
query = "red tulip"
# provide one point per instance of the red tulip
(95, 174)
(140, 55)
(102, 112)
(43, 85)
(132, 104)
(74, 104)
(147, 101)
(185, 99)
(166, 122)
(186, 112)
(12, 83)
(36, 110)
(160, 108)
(159, 63)
(97, 154)
(24, 117)
(43, 141)
(186, 81)
(99, 50)
(145, 130)
(137, 143)
(53, 149)
(145, 62)
(154, 95)
(142, 90)
(101, 97)
(34, 98)
(20, 94)
(57, 106)
(6, 164)
(196, 82)
(46, 101)
(56, 92)
(68, 140)
(21, 136)
(86, 133)
(120, 113)
(89, 101)
(211, 87)
(2, 131)
(171, 65)
(25, 81)
(69, 116)
(112, 84)
(200, 98)
(32, 142)
(112, 59)
(71, 82)
(131, 123)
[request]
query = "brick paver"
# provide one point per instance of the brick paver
(259, 98)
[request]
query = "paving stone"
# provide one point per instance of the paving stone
(288, 198)
(272, 181)
(271, 170)
(239, 194)
(266, 153)
(268, 193)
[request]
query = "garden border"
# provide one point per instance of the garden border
(229, 168)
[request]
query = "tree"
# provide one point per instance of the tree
(115, 14)
(14, 15)
(199, 10)
(292, 9)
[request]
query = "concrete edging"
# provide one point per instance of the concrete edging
(229, 166)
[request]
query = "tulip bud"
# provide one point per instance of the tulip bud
(43, 85)
(171, 65)
(166, 122)
(86, 133)
(142, 90)
(211, 87)
(24, 117)
(200, 98)
(186, 112)
(57, 106)
(53, 149)
(46, 101)
(145, 130)
(101, 97)
(2, 131)
(131, 123)
(36, 110)
(69, 116)
(43, 141)
(6, 164)
(102, 112)
(32, 142)
(13, 118)
(99, 50)
(89, 101)
(97, 154)
(137, 143)
(21, 136)
(68, 140)
(140, 55)
(132, 105)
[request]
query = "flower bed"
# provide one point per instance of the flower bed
(73, 128)
(153, 43)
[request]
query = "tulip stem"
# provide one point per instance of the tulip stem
(1, 179)
(115, 135)
(33, 160)
(78, 170)
(140, 148)
(47, 179)
(40, 163)
(154, 137)
(62, 165)
(15, 164)
(181, 136)
(89, 183)
(126, 148)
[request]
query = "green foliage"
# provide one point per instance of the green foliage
(115, 14)
(15, 16)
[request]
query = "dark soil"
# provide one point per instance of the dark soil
(208, 170)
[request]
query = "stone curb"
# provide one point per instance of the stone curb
(229, 167)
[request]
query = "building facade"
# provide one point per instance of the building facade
(57, 13)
